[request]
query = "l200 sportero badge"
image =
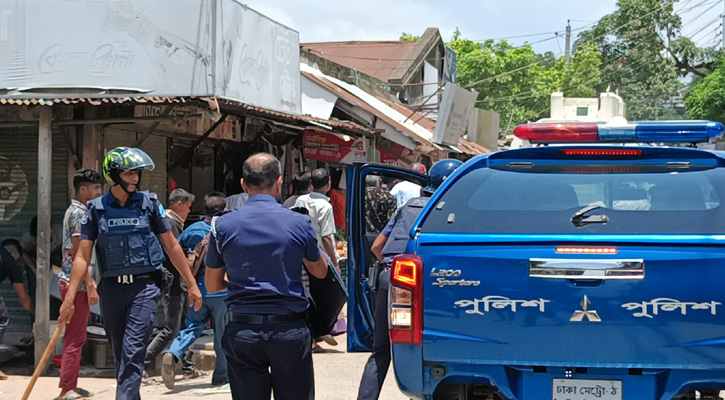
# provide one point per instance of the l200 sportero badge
(590, 315)
(444, 274)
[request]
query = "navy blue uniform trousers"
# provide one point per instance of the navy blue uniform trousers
(379, 361)
(266, 357)
(128, 316)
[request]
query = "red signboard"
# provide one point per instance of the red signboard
(333, 147)
(343, 149)
(390, 159)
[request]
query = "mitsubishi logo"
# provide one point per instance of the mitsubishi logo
(591, 315)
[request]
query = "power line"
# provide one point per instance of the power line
(707, 33)
(469, 85)
(558, 44)
(684, 10)
(556, 33)
(516, 37)
(707, 24)
(701, 28)
(714, 3)
(595, 38)
(529, 95)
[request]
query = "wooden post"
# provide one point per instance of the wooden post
(42, 294)
(373, 145)
(91, 153)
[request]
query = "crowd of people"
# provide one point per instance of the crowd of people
(242, 270)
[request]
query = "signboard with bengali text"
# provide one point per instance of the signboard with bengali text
(333, 147)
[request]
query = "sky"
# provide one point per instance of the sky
(344, 20)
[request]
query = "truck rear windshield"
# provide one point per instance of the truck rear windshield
(543, 201)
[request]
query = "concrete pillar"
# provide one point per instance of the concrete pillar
(42, 295)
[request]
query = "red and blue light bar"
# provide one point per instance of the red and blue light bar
(631, 132)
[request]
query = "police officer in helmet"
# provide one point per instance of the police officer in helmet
(131, 233)
(392, 241)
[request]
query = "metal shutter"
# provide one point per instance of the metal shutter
(20, 147)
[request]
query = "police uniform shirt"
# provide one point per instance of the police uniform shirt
(401, 223)
(157, 220)
(262, 246)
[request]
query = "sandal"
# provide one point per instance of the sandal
(70, 396)
(84, 392)
(197, 373)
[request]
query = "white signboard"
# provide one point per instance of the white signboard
(454, 114)
(257, 59)
(111, 48)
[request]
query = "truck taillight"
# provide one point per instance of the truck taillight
(406, 300)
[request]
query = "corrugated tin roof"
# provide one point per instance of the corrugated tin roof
(99, 100)
(465, 145)
(347, 126)
(340, 89)
(211, 101)
(377, 59)
(417, 127)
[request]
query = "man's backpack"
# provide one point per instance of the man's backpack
(196, 256)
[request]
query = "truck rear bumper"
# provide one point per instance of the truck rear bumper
(474, 381)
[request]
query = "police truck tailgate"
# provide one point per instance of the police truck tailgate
(524, 303)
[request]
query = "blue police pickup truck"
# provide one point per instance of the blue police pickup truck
(590, 266)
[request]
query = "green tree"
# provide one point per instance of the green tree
(408, 37)
(516, 82)
(644, 54)
(634, 41)
(582, 74)
(706, 100)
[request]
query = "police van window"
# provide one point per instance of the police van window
(504, 201)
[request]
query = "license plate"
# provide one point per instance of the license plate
(586, 389)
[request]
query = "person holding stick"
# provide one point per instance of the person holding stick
(130, 230)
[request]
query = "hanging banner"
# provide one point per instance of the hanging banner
(386, 157)
(333, 147)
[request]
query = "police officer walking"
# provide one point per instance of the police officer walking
(262, 247)
(390, 242)
(130, 228)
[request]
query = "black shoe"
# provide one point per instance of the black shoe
(168, 370)
(220, 381)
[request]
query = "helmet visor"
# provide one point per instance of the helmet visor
(136, 160)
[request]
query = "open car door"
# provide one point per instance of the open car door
(361, 179)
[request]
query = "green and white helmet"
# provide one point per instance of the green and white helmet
(125, 159)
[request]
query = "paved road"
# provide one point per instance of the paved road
(337, 375)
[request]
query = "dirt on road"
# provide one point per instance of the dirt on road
(337, 376)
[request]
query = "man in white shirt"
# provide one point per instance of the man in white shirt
(406, 190)
(321, 215)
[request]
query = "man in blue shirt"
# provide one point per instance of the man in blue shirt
(262, 247)
(130, 233)
(213, 308)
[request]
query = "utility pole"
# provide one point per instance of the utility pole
(722, 27)
(568, 43)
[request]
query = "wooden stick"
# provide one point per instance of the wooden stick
(43, 360)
